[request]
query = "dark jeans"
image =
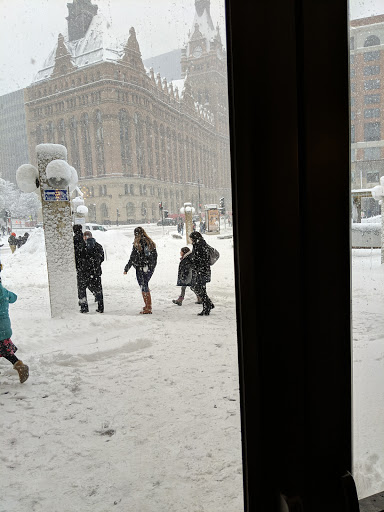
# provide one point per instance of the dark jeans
(93, 283)
(143, 279)
(200, 290)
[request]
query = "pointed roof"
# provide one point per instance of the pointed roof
(202, 27)
(97, 45)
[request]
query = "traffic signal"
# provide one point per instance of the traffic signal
(165, 213)
(222, 205)
(160, 206)
(117, 212)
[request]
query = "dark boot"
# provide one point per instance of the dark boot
(100, 303)
(179, 301)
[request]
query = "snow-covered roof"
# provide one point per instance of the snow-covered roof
(98, 44)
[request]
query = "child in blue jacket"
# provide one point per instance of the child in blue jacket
(7, 348)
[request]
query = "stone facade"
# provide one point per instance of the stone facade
(134, 139)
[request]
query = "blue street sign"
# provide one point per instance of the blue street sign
(55, 195)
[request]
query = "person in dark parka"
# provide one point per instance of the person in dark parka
(144, 259)
(184, 275)
(89, 256)
(201, 274)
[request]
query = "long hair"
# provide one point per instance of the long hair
(140, 234)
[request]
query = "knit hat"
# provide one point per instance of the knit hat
(13, 234)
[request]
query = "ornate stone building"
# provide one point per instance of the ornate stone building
(134, 139)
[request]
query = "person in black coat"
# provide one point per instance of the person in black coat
(201, 274)
(89, 256)
(144, 259)
(184, 275)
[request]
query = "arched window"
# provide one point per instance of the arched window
(50, 133)
(163, 152)
(144, 210)
(371, 41)
(86, 140)
(103, 211)
(39, 135)
(157, 150)
(74, 145)
(140, 145)
(148, 126)
(130, 211)
(126, 189)
(61, 133)
(92, 212)
(98, 123)
(125, 142)
(169, 155)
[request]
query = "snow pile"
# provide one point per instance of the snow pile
(27, 178)
(122, 410)
(59, 173)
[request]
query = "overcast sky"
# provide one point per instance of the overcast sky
(29, 29)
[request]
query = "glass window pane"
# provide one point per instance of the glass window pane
(133, 396)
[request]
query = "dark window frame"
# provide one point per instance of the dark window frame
(289, 445)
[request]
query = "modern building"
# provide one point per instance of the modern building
(135, 139)
(13, 134)
(367, 106)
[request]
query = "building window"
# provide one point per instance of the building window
(352, 43)
(353, 155)
(369, 56)
(371, 84)
(126, 189)
(372, 176)
(372, 98)
(50, 133)
(39, 135)
(371, 112)
(371, 70)
(372, 131)
(371, 41)
(61, 133)
(353, 133)
(148, 126)
(86, 140)
(372, 153)
(104, 211)
(130, 211)
(140, 144)
(98, 125)
(125, 142)
(132, 190)
(74, 144)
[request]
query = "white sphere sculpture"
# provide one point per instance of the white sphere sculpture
(58, 174)
(82, 209)
(27, 178)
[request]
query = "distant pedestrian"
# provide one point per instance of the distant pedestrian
(12, 241)
(7, 348)
(3, 230)
(194, 226)
(201, 270)
(184, 275)
(202, 227)
(89, 256)
(25, 238)
(144, 259)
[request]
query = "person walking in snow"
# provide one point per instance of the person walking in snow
(144, 259)
(7, 348)
(12, 241)
(184, 275)
(201, 270)
(89, 256)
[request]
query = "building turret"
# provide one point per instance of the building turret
(80, 14)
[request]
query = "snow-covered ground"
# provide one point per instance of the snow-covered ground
(368, 369)
(121, 411)
(142, 413)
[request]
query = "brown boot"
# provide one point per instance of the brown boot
(147, 309)
(22, 369)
